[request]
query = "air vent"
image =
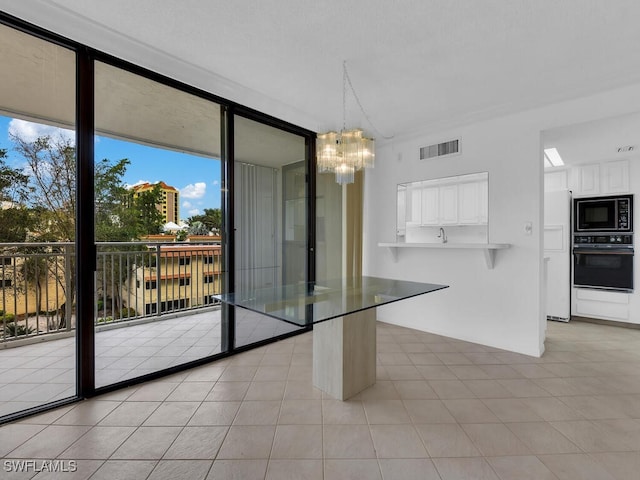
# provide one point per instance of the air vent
(440, 149)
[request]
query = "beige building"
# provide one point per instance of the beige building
(179, 277)
(40, 291)
(169, 206)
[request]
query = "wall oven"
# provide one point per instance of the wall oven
(603, 214)
(603, 262)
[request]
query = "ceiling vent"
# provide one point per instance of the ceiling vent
(451, 147)
(626, 148)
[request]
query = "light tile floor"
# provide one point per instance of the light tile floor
(31, 375)
(441, 409)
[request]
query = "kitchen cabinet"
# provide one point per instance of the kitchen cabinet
(589, 179)
(615, 177)
(431, 205)
(556, 180)
(414, 207)
(440, 205)
(461, 200)
(448, 204)
(483, 203)
(472, 203)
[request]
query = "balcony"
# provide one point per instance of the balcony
(154, 310)
(135, 282)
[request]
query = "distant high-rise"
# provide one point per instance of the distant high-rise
(169, 205)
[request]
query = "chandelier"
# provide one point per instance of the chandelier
(348, 151)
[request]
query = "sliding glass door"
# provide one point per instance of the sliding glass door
(157, 226)
(271, 198)
(37, 222)
(116, 187)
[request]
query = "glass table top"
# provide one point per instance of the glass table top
(306, 303)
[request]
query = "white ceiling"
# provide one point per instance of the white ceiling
(597, 141)
(415, 64)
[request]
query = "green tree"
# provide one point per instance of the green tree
(51, 167)
(51, 171)
(15, 217)
(211, 218)
(198, 228)
(116, 220)
(150, 219)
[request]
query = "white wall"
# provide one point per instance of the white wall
(502, 307)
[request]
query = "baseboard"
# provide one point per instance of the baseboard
(600, 321)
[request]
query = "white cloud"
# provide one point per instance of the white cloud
(216, 183)
(193, 212)
(30, 131)
(187, 205)
(194, 190)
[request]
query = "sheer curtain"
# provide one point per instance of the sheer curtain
(256, 220)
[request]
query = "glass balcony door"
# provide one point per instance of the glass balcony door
(270, 219)
(157, 226)
(37, 222)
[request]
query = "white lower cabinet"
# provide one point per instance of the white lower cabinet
(601, 304)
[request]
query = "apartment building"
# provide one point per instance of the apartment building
(169, 206)
(177, 278)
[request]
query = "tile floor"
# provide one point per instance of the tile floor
(441, 409)
(31, 375)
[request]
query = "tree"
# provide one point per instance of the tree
(150, 219)
(198, 228)
(51, 173)
(15, 217)
(51, 168)
(116, 219)
(212, 219)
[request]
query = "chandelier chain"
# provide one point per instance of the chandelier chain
(346, 80)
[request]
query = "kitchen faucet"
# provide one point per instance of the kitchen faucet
(442, 235)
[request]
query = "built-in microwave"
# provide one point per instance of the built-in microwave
(603, 214)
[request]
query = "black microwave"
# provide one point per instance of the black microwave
(603, 214)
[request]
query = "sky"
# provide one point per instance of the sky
(197, 178)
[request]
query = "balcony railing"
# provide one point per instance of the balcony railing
(134, 281)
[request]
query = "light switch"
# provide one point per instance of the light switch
(528, 228)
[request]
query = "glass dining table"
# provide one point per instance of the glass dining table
(343, 315)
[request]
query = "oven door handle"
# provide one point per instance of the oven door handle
(602, 252)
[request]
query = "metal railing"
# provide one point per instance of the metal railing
(134, 280)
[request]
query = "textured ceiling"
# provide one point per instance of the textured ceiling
(415, 64)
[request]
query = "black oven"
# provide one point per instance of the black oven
(603, 262)
(603, 214)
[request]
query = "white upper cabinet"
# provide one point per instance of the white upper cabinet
(414, 206)
(431, 206)
(615, 177)
(555, 180)
(468, 203)
(473, 203)
(596, 179)
(448, 205)
(461, 200)
(483, 202)
(589, 179)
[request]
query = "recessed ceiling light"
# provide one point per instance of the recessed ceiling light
(552, 155)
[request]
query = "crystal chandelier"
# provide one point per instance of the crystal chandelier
(345, 152)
